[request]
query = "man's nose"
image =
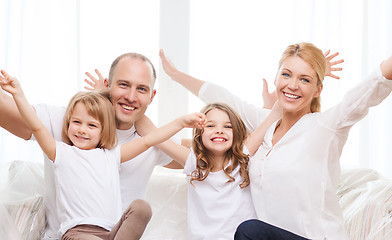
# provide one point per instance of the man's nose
(131, 95)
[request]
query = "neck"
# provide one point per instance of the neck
(123, 126)
(219, 163)
(289, 119)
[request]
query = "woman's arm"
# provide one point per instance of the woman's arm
(132, 149)
(386, 68)
(28, 114)
(187, 81)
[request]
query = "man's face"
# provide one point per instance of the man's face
(130, 91)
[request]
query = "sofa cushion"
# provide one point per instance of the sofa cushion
(366, 200)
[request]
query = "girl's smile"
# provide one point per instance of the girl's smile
(84, 131)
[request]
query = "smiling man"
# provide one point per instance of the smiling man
(131, 87)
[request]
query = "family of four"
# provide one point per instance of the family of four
(252, 173)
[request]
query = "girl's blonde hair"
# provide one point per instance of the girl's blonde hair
(204, 160)
(99, 107)
(314, 57)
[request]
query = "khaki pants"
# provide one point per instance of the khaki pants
(131, 226)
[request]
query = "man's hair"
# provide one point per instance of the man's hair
(133, 56)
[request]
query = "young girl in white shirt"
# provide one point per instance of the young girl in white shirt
(87, 167)
(219, 198)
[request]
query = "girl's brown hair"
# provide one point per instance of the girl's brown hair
(315, 58)
(204, 160)
(99, 107)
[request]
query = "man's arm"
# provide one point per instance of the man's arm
(27, 112)
(10, 118)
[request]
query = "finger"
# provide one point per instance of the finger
(5, 74)
(265, 85)
(92, 84)
(99, 74)
(91, 76)
(337, 62)
(337, 69)
(89, 89)
(326, 53)
(334, 76)
(332, 56)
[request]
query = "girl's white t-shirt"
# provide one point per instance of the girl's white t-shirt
(134, 174)
(215, 206)
(87, 186)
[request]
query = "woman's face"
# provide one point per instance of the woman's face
(296, 86)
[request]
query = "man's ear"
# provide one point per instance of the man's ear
(106, 82)
(154, 91)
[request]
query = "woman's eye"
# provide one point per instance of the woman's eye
(228, 126)
(210, 126)
(305, 80)
(285, 75)
(92, 125)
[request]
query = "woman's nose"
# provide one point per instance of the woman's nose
(293, 84)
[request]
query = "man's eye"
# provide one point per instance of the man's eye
(142, 89)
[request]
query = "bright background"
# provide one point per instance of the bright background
(50, 44)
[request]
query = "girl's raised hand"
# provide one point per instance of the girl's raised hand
(194, 120)
(9, 84)
(330, 68)
(97, 85)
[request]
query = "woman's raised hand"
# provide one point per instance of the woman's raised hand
(331, 66)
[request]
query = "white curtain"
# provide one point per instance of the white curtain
(50, 44)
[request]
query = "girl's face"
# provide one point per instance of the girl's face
(296, 86)
(84, 131)
(217, 136)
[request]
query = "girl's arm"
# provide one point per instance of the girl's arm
(255, 139)
(176, 151)
(132, 149)
(42, 135)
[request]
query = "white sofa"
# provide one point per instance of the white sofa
(365, 196)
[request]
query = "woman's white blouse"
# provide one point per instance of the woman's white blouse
(294, 183)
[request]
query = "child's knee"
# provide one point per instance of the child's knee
(141, 208)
